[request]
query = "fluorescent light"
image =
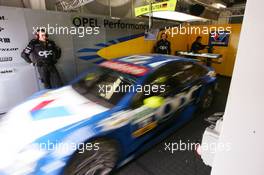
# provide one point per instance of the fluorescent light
(113, 17)
(218, 5)
(176, 16)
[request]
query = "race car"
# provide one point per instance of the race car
(109, 115)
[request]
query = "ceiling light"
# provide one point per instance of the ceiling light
(218, 5)
(117, 18)
(115, 3)
(176, 16)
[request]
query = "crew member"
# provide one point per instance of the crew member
(44, 54)
(163, 45)
(197, 45)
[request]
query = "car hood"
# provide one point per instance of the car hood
(40, 116)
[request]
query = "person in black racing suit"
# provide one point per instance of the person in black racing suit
(44, 54)
(163, 46)
(197, 45)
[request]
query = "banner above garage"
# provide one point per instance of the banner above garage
(167, 5)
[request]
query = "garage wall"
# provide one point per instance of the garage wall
(142, 46)
(229, 53)
(243, 119)
(134, 46)
(18, 79)
(184, 42)
(178, 42)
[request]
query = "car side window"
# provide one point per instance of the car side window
(199, 70)
(187, 73)
(170, 77)
(157, 84)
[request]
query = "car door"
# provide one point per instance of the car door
(148, 122)
(190, 78)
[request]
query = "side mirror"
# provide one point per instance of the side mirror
(154, 102)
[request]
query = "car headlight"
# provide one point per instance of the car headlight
(118, 120)
(30, 155)
(211, 74)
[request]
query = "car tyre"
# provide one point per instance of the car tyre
(94, 162)
(207, 99)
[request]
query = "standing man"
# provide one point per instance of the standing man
(44, 54)
(197, 45)
(163, 46)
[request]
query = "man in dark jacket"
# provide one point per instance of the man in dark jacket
(163, 46)
(44, 54)
(197, 45)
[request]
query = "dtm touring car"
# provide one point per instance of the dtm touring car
(89, 128)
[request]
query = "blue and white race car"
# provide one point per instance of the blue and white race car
(105, 118)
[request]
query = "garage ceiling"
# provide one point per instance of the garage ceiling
(114, 3)
(230, 3)
(124, 8)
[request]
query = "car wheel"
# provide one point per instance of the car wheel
(207, 99)
(94, 162)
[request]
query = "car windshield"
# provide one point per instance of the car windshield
(104, 86)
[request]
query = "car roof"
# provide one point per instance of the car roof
(152, 61)
(140, 65)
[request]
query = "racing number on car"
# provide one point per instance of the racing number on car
(145, 119)
(136, 59)
(172, 104)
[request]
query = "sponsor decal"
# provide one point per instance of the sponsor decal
(4, 40)
(144, 121)
(112, 24)
(125, 68)
(117, 120)
(2, 18)
(137, 59)
(6, 59)
(83, 21)
(162, 5)
(6, 71)
(45, 53)
(146, 128)
(50, 113)
(163, 47)
(123, 25)
(27, 50)
(41, 105)
(219, 38)
(8, 49)
(39, 112)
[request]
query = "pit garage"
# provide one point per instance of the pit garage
(135, 87)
